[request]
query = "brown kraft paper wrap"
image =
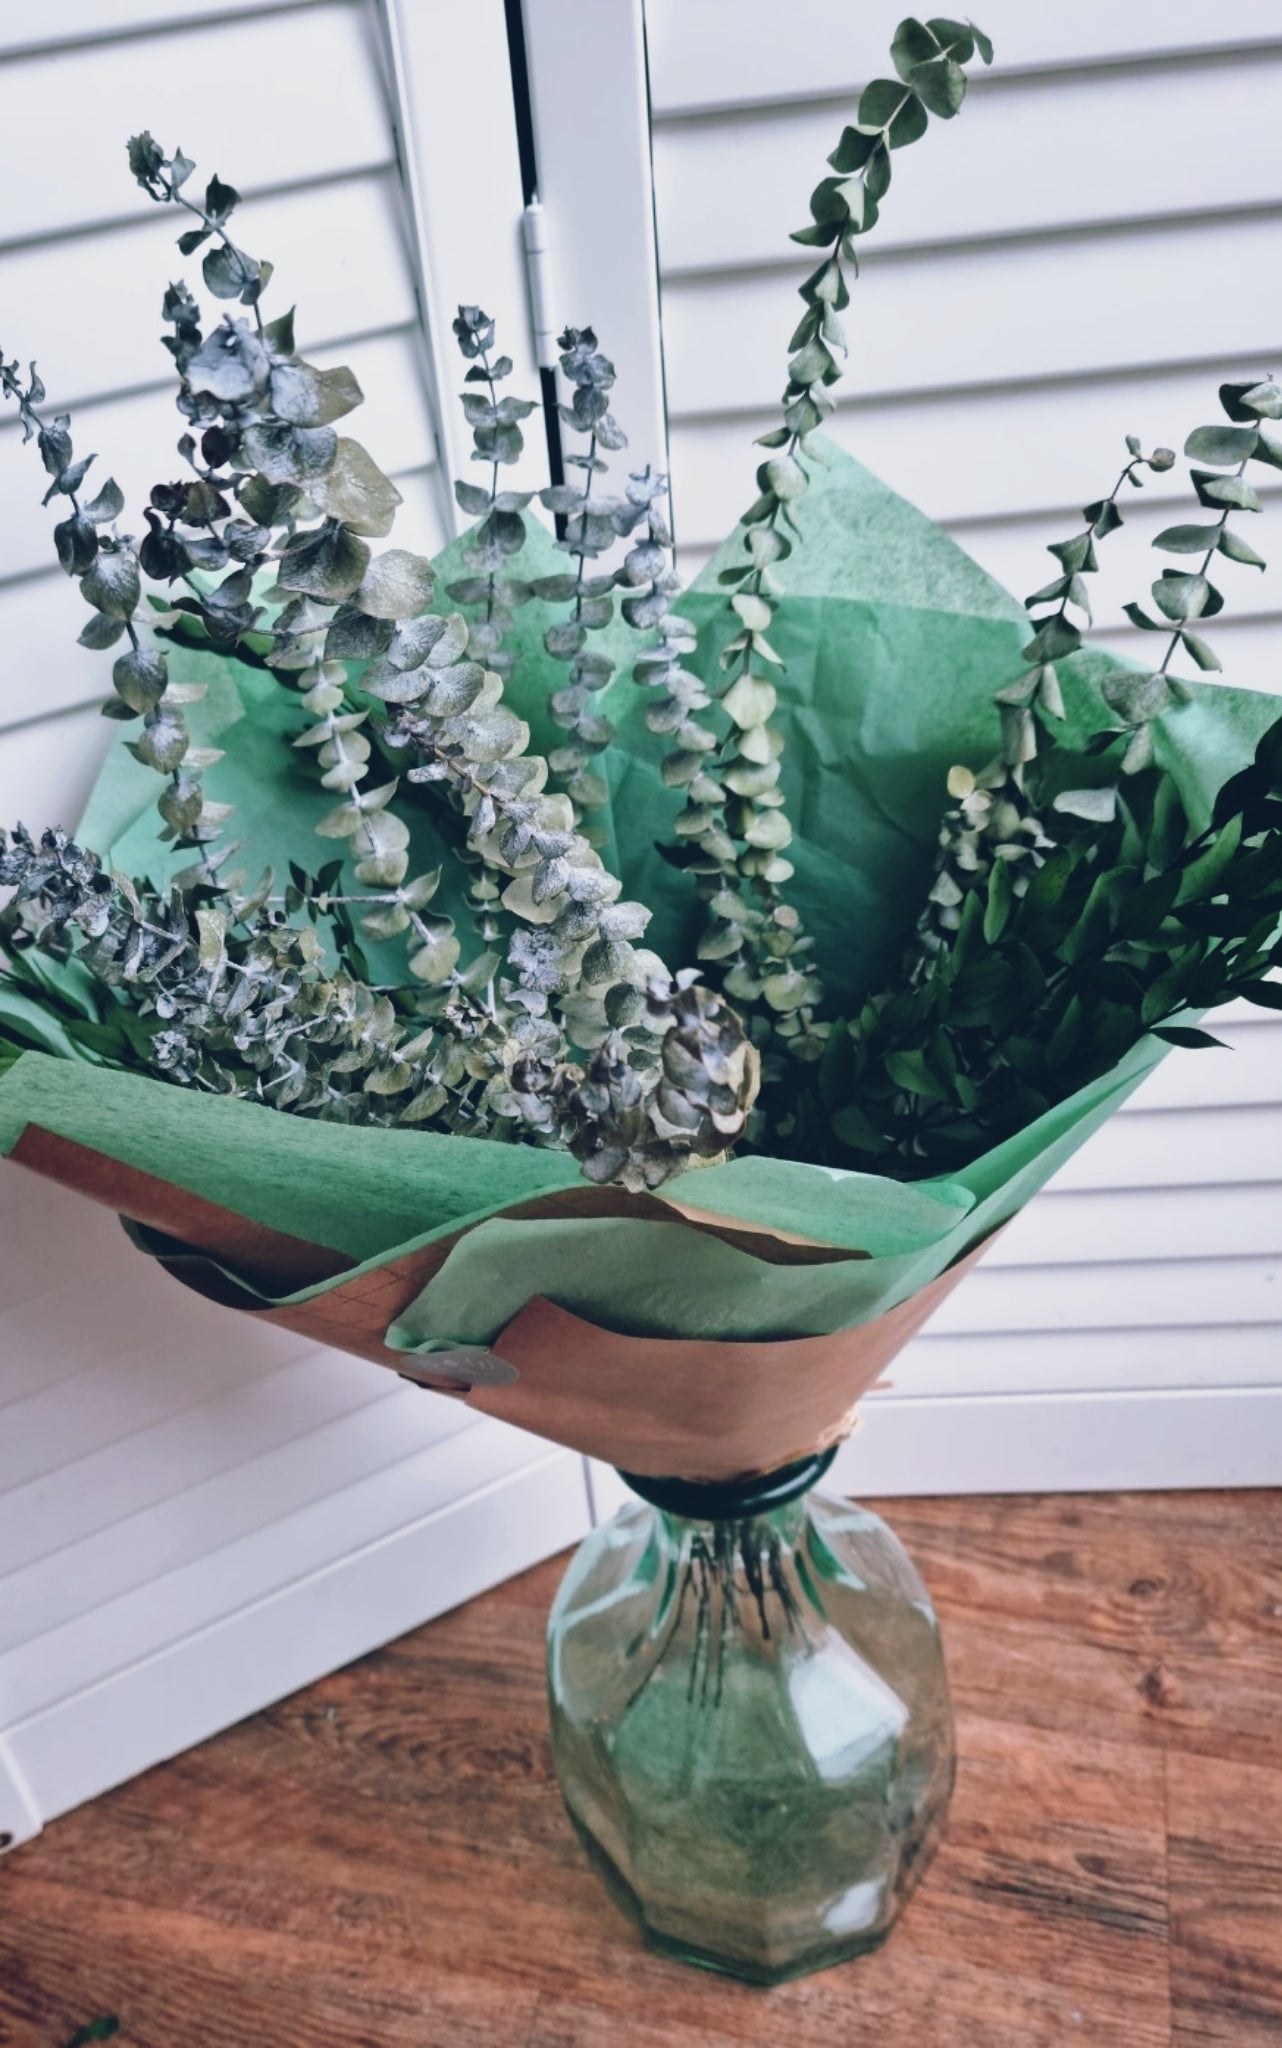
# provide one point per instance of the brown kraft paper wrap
(690, 1408)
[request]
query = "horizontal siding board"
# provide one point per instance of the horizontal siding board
(1086, 1442)
(1111, 294)
(38, 1254)
(1044, 448)
(81, 21)
(1176, 1147)
(86, 1496)
(237, 114)
(343, 1428)
(113, 1398)
(1027, 156)
(1062, 1362)
(64, 1521)
(249, 1568)
(697, 61)
(1113, 1227)
(43, 1337)
(339, 256)
(1145, 1294)
(461, 1531)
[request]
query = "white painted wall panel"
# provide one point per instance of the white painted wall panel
(80, 22)
(1013, 164)
(1044, 446)
(278, 98)
(980, 315)
(698, 62)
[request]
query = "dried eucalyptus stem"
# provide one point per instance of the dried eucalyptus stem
(740, 845)
(248, 1001)
(995, 835)
(593, 523)
(491, 599)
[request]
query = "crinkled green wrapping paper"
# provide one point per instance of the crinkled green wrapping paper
(894, 643)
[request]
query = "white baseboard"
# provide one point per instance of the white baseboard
(1093, 1442)
(1065, 1443)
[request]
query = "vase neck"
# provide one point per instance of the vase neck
(732, 1500)
(774, 1528)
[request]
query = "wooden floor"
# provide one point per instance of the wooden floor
(383, 1862)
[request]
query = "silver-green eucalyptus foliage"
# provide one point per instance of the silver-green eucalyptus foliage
(562, 1029)
(1073, 904)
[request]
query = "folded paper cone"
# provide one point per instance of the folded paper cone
(691, 1408)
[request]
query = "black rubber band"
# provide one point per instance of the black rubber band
(731, 1500)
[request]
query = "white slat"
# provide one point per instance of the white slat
(47, 770)
(84, 21)
(338, 1425)
(465, 1523)
(1089, 1442)
(1116, 1227)
(1064, 1362)
(1027, 157)
(236, 114)
(1047, 447)
(698, 61)
(1154, 1294)
(251, 1567)
(338, 257)
(1173, 1147)
(1111, 295)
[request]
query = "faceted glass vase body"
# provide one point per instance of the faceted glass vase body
(752, 1729)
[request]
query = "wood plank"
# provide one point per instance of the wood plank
(1225, 1823)
(383, 1858)
(1150, 1619)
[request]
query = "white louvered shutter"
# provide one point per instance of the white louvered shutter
(198, 1514)
(1066, 264)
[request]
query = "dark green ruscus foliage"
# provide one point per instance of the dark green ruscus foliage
(1128, 924)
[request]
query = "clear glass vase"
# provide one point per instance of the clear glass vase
(750, 1720)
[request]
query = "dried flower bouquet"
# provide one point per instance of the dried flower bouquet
(843, 878)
